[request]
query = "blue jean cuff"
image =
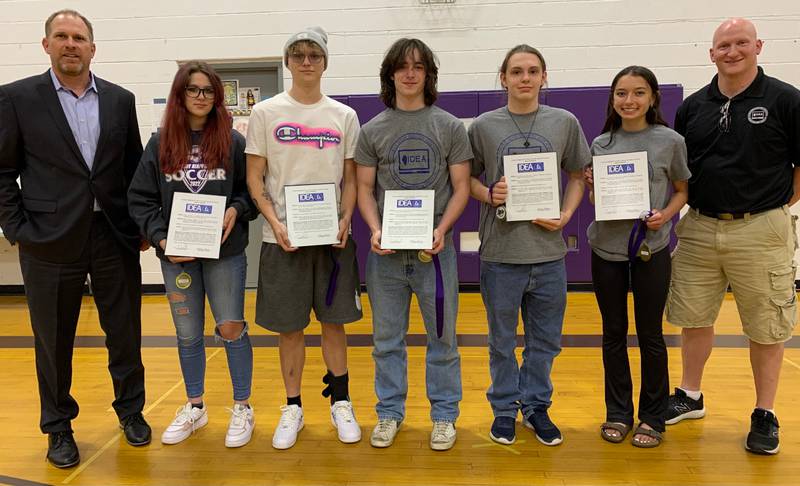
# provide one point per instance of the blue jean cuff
(396, 418)
(507, 414)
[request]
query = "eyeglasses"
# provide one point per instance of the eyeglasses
(313, 58)
(195, 92)
(725, 118)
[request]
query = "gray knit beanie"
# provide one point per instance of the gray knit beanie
(315, 34)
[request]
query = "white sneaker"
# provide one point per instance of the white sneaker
(443, 436)
(241, 426)
(384, 432)
(344, 420)
(187, 420)
(290, 424)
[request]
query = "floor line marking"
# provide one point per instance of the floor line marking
(491, 443)
(114, 439)
(791, 362)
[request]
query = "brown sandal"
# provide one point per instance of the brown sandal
(648, 432)
(623, 430)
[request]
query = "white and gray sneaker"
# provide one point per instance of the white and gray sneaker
(187, 420)
(290, 424)
(384, 432)
(241, 426)
(344, 420)
(443, 436)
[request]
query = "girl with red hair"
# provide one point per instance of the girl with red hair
(197, 151)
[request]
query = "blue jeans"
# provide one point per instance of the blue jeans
(223, 281)
(390, 281)
(540, 290)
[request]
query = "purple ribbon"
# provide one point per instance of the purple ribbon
(638, 234)
(491, 192)
(439, 297)
(332, 279)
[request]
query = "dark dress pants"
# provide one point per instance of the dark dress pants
(54, 292)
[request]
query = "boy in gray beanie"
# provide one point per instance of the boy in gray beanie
(302, 137)
(315, 34)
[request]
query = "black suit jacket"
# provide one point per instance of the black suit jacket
(51, 215)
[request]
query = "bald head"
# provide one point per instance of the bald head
(735, 49)
(737, 25)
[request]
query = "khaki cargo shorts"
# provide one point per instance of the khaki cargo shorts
(755, 255)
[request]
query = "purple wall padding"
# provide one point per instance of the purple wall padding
(587, 104)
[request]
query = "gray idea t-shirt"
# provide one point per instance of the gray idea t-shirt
(494, 135)
(666, 162)
(413, 150)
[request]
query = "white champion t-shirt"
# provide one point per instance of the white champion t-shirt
(303, 144)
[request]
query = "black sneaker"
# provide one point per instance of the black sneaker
(546, 431)
(682, 407)
(503, 430)
(763, 436)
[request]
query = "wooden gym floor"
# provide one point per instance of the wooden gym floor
(709, 451)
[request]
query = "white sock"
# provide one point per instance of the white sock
(694, 395)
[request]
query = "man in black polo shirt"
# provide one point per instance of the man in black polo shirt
(742, 133)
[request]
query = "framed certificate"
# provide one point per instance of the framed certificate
(621, 186)
(407, 220)
(312, 214)
(533, 190)
(195, 225)
(230, 88)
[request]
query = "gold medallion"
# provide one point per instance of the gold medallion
(183, 281)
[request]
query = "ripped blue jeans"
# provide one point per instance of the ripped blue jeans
(223, 282)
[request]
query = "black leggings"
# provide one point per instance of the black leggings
(650, 284)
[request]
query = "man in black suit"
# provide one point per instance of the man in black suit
(73, 140)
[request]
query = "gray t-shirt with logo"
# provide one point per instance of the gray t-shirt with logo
(413, 150)
(494, 135)
(666, 162)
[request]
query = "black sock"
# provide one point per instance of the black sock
(338, 387)
(197, 405)
(294, 401)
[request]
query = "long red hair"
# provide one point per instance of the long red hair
(176, 144)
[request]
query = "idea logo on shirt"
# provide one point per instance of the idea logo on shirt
(415, 161)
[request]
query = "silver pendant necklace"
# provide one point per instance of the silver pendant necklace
(500, 211)
(527, 136)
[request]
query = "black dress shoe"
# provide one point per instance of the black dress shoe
(62, 451)
(137, 432)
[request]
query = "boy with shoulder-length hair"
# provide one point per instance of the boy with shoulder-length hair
(301, 136)
(409, 124)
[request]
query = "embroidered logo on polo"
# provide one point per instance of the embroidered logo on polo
(297, 134)
(195, 174)
(514, 145)
(757, 115)
(415, 161)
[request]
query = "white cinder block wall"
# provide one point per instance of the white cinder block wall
(585, 42)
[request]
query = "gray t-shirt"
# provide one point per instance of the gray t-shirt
(666, 162)
(493, 136)
(413, 150)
